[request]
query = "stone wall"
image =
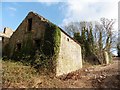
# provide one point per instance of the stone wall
(70, 58)
(27, 38)
(7, 33)
(23, 43)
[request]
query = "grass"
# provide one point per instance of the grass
(15, 73)
(18, 75)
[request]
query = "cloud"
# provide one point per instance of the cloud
(34, 0)
(50, 0)
(86, 10)
(90, 10)
(80, 10)
(12, 9)
(49, 3)
(56, 0)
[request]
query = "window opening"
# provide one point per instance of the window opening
(29, 24)
(67, 39)
(18, 46)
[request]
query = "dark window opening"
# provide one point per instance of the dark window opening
(2, 39)
(67, 39)
(29, 24)
(4, 30)
(18, 46)
(37, 43)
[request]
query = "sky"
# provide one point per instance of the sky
(14, 13)
(60, 12)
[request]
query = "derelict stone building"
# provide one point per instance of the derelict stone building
(37, 36)
(5, 38)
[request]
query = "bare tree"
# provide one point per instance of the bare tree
(71, 28)
(104, 33)
(105, 37)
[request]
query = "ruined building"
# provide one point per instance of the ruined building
(5, 37)
(37, 37)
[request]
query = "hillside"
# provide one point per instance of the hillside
(17, 75)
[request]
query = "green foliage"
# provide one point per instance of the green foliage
(27, 50)
(86, 40)
(57, 38)
(15, 73)
(94, 41)
(48, 40)
(81, 39)
(100, 41)
(6, 48)
(51, 40)
(46, 58)
(91, 37)
(77, 37)
(83, 35)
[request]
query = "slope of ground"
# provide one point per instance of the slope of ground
(16, 75)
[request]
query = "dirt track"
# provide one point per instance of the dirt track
(102, 76)
(99, 76)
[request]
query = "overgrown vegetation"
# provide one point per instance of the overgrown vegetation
(51, 40)
(49, 52)
(95, 38)
(43, 55)
(26, 51)
(16, 73)
(86, 40)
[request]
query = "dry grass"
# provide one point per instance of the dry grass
(15, 74)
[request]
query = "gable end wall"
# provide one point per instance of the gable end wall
(70, 58)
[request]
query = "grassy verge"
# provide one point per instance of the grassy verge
(16, 74)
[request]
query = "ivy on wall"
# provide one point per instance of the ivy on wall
(44, 55)
(51, 40)
(50, 48)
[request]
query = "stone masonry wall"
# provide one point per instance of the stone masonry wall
(21, 35)
(7, 34)
(70, 58)
(5, 38)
